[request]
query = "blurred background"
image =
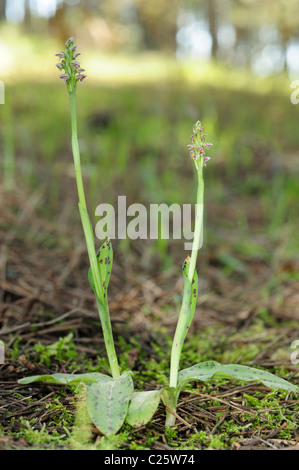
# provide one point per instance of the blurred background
(153, 69)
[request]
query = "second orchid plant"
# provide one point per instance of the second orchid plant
(111, 400)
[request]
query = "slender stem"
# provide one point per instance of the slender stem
(178, 340)
(198, 221)
(177, 343)
(8, 150)
(108, 338)
(170, 402)
(179, 333)
(76, 153)
(102, 307)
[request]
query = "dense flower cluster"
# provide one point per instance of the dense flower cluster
(198, 146)
(72, 71)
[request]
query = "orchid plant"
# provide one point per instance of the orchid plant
(111, 400)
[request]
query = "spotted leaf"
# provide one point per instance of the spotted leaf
(107, 403)
(212, 369)
(66, 379)
(104, 260)
(142, 407)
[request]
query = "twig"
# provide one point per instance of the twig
(219, 422)
(179, 418)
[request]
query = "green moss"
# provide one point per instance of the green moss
(62, 350)
(38, 436)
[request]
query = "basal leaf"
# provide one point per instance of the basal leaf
(142, 407)
(212, 369)
(66, 379)
(107, 403)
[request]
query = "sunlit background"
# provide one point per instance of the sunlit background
(262, 36)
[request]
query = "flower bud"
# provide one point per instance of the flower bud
(69, 42)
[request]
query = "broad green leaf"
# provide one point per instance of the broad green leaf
(211, 369)
(142, 407)
(107, 403)
(104, 260)
(66, 379)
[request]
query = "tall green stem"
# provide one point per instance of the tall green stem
(177, 343)
(198, 221)
(8, 149)
(183, 324)
(76, 153)
(89, 237)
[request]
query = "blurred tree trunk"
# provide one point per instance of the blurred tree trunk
(2, 9)
(285, 34)
(213, 25)
(27, 17)
(158, 23)
(58, 24)
(284, 46)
